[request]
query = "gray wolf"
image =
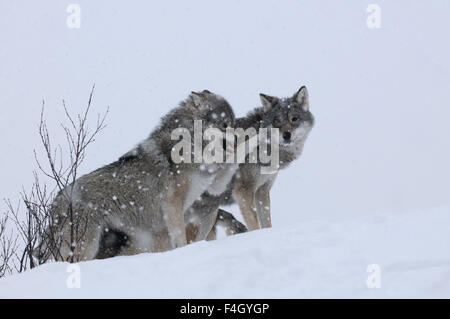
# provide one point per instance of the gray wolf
(137, 203)
(249, 187)
(294, 120)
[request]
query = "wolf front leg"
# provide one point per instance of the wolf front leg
(262, 199)
(85, 247)
(174, 217)
(202, 225)
(246, 201)
(212, 234)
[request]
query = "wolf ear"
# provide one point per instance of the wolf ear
(197, 98)
(267, 102)
(302, 98)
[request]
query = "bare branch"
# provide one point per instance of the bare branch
(40, 229)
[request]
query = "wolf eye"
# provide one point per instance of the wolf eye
(294, 119)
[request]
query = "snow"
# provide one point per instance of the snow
(363, 192)
(316, 258)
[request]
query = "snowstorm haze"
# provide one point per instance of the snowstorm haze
(381, 97)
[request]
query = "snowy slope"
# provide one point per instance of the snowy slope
(319, 258)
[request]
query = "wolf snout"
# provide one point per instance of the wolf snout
(287, 136)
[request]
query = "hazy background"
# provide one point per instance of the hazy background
(380, 96)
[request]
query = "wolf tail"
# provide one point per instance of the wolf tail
(231, 224)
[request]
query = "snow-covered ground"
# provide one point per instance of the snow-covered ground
(320, 258)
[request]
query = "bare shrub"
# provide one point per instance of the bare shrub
(37, 228)
(8, 246)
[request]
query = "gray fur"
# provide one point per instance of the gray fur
(292, 117)
(226, 220)
(144, 194)
(249, 187)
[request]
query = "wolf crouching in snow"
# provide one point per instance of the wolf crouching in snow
(250, 188)
(137, 203)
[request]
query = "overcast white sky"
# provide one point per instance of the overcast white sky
(380, 96)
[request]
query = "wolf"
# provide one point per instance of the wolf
(293, 118)
(249, 187)
(137, 203)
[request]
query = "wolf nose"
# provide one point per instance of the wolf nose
(286, 136)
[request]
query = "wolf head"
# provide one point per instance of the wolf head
(292, 117)
(212, 109)
(199, 114)
(217, 117)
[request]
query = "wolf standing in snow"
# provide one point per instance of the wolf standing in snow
(294, 120)
(250, 187)
(136, 204)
